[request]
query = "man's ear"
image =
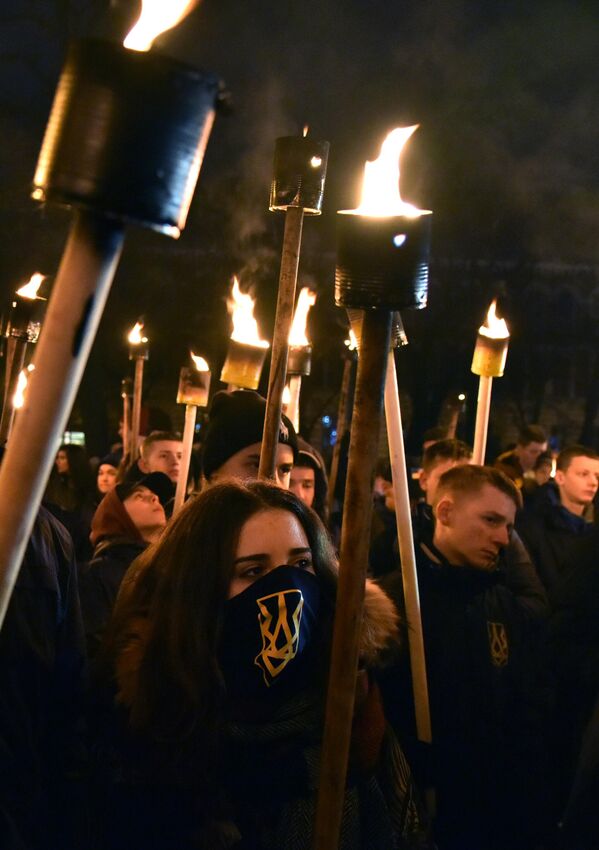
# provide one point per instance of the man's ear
(423, 481)
(559, 478)
(444, 510)
(142, 465)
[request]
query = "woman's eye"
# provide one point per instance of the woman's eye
(303, 563)
(253, 571)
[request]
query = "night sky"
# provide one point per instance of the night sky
(507, 96)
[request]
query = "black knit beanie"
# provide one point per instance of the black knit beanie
(235, 421)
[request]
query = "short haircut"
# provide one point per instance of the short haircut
(531, 434)
(567, 455)
(157, 437)
(438, 432)
(468, 479)
(382, 469)
(445, 450)
(544, 459)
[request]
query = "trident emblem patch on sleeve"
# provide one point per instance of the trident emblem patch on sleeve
(279, 617)
(498, 644)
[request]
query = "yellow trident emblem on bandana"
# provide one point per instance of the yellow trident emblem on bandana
(279, 617)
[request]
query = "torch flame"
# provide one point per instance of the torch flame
(29, 290)
(297, 334)
(135, 337)
(245, 327)
(18, 399)
(286, 398)
(199, 363)
(494, 327)
(352, 342)
(380, 190)
(156, 17)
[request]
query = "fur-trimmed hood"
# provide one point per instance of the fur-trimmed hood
(381, 626)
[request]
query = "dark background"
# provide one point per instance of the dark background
(507, 97)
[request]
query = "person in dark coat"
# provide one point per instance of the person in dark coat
(532, 486)
(309, 479)
(438, 458)
(71, 496)
(216, 660)
(555, 527)
(574, 651)
(480, 630)
(128, 518)
(107, 475)
(42, 665)
(532, 442)
(233, 440)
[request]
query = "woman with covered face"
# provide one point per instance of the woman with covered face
(217, 662)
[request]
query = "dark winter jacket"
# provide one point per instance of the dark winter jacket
(553, 536)
(42, 656)
(480, 630)
(117, 543)
(520, 572)
(261, 793)
(574, 652)
(99, 585)
(510, 465)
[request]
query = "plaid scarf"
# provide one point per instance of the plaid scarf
(272, 771)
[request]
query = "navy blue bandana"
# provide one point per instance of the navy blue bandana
(268, 633)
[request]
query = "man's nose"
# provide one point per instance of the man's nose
(502, 536)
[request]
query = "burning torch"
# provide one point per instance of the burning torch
(23, 328)
(194, 388)
(139, 350)
(299, 361)
(124, 143)
(490, 354)
(382, 266)
(300, 166)
(245, 355)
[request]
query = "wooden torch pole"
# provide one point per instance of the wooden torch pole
(295, 386)
(136, 411)
(126, 418)
(74, 311)
(294, 218)
(342, 423)
(401, 495)
(353, 563)
(483, 409)
(188, 434)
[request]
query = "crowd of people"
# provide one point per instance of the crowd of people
(163, 674)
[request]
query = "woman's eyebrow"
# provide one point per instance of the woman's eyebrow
(261, 556)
